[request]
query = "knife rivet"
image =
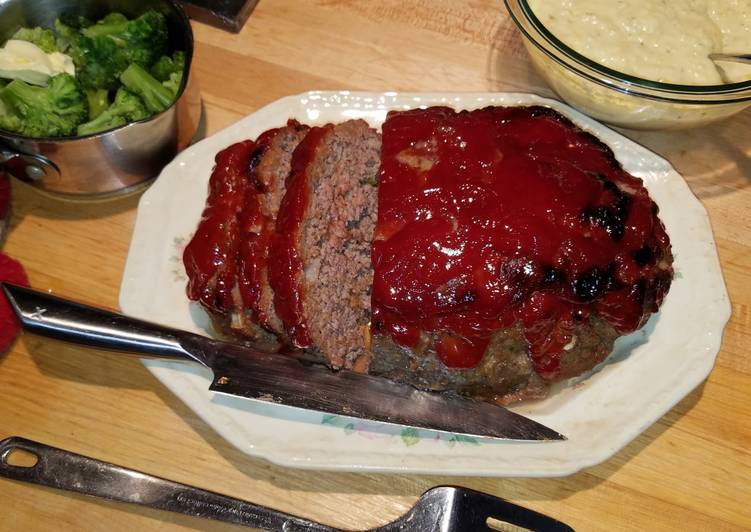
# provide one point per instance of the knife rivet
(222, 380)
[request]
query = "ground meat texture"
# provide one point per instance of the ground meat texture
(254, 317)
(320, 258)
(504, 375)
(272, 173)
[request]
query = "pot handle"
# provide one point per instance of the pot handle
(28, 168)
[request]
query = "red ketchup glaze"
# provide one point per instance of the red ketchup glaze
(210, 257)
(255, 235)
(508, 216)
(284, 265)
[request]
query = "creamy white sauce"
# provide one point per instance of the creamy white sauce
(660, 40)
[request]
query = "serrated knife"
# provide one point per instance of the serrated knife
(246, 372)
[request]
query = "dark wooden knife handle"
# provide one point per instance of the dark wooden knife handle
(59, 318)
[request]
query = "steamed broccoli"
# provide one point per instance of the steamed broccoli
(98, 63)
(75, 22)
(166, 66)
(67, 28)
(156, 96)
(43, 38)
(173, 83)
(51, 111)
(102, 51)
(111, 23)
(98, 101)
(127, 107)
(8, 119)
(169, 70)
(112, 54)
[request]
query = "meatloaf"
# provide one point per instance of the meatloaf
(490, 252)
(254, 315)
(319, 262)
(226, 260)
(210, 258)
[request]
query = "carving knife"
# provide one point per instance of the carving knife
(288, 380)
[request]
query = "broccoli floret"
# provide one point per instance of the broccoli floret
(127, 107)
(166, 66)
(102, 51)
(52, 111)
(68, 28)
(98, 100)
(8, 119)
(169, 70)
(98, 62)
(156, 96)
(75, 22)
(43, 38)
(173, 83)
(111, 19)
(142, 40)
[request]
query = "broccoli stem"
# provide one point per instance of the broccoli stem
(98, 101)
(155, 95)
(103, 122)
(115, 26)
(127, 107)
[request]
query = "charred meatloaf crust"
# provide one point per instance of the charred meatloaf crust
(510, 250)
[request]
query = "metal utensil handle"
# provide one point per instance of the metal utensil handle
(59, 318)
(736, 58)
(65, 470)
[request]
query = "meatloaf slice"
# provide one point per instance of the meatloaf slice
(210, 258)
(254, 316)
(319, 263)
(226, 258)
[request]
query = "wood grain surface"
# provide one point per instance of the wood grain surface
(689, 471)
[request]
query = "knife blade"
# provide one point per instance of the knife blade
(289, 380)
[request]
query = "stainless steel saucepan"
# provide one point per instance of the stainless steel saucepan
(109, 163)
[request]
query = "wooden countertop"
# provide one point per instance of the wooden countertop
(690, 470)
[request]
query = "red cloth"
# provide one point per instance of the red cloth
(11, 271)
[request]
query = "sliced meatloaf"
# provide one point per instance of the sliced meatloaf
(226, 258)
(490, 252)
(210, 258)
(319, 260)
(254, 315)
(511, 251)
